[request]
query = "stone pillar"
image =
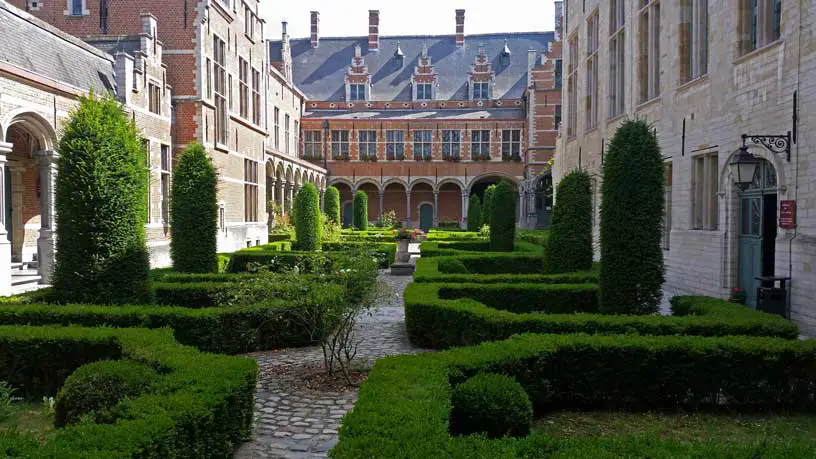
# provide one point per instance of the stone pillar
(46, 243)
(322, 197)
(18, 230)
(5, 245)
(408, 214)
(290, 193)
(436, 209)
(382, 202)
(282, 196)
(465, 204)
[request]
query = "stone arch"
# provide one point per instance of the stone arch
(341, 181)
(491, 175)
(421, 181)
(395, 198)
(726, 177)
(360, 182)
(450, 205)
(34, 124)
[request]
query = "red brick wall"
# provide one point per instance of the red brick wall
(396, 199)
(450, 204)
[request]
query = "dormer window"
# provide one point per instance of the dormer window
(424, 91)
(357, 92)
(481, 91)
(505, 55)
(399, 57)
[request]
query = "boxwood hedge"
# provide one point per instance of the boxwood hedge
(435, 322)
(458, 269)
(440, 248)
(242, 260)
(404, 406)
(201, 407)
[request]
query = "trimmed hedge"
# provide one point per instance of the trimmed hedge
(493, 404)
(487, 204)
(360, 210)
(521, 298)
(311, 261)
(503, 218)
(538, 237)
(569, 246)
(191, 294)
(455, 269)
(200, 407)
(434, 322)
(308, 228)
(331, 204)
(474, 214)
(440, 248)
(194, 226)
(404, 405)
(447, 235)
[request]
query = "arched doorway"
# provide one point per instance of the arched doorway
(426, 216)
(544, 200)
(757, 229)
(348, 214)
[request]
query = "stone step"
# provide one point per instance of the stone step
(21, 280)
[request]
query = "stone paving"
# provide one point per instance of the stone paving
(295, 422)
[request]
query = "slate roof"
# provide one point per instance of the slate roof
(31, 44)
(419, 114)
(320, 72)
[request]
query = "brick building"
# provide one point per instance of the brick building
(704, 73)
(421, 122)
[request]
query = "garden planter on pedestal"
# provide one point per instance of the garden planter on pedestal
(402, 265)
(402, 251)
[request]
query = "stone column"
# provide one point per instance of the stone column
(465, 204)
(5, 245)
(18, 230)
(408, 214)
(382, 202)
(46, 243)
(281, 194)
(436, 209)
(290, 193)
(322, 204)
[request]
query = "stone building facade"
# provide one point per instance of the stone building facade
(421, 123)
(704, 73)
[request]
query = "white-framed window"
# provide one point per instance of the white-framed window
(296, 135)
(164, 185)
(667, 199)
(423, 144)
(480, 144)
(451, 143)
(357, 92)
(154, 98)
(77, 7)
(572, 87)
(250, 190)
(693, 39)
(511, 144)
(367, 143)
(148, 166)
(208, 78)
(286, 142)
(249, 22)
(593, 44)
(649, 49)
(424, 91)
(243, 88)
(481, 90)
(312, 144)
(277, 128)
(617, 73)
(760, 23)
(705, 170)
(256, 97)
(395, 145)
(219, 63)
(340, 144)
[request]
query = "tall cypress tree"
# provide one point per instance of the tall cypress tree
(569, 245)
(487, 204)
(331, 204)
(474, 216)
(307, 220)
(632, 271)
(360, 206)
(503, 218)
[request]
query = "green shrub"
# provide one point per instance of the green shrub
(521, 298)
(436, 270)
(452, 265)
(503, 218)
(632, 272)
(331, 204)
(569, 245)
(307, 262)
(360, 206)
(440, 248)
(191, 294)
(538, 237)
(194, 226)
(308, 227)
(101, 207)
(492, 404)
(93, 389)
(474, 215)
(487, 204)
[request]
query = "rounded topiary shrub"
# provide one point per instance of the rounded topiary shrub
(360, 211)
(632, 271)
(331, 204)
(194, 230)
(503, 218)
(94, 389)
(487, 204)
(451, 266)
(493, 404)
(569, 246)
(474, 214)
(308, 227)
(101, 207)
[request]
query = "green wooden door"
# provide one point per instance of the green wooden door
(348, 215)
(750, 245)
(425, 217)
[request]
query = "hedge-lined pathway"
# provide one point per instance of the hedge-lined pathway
(295, 422)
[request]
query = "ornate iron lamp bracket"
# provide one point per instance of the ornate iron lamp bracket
(777, 144)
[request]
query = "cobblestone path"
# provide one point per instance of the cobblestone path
(295, 422)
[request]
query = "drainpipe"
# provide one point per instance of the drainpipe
(796, 167)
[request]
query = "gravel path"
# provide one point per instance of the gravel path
(293, 421)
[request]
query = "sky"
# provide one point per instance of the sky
(411, 17)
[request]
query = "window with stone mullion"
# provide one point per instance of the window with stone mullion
(367, 144)
(480, 144)
(511, 144)
(340, 144)
(423, 144)
(219, 63)
(395, 145)
(451, 143)
(312, 144)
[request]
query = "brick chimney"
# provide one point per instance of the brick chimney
(315, 29)
(460, 28)
(286, 53)
(373, 30)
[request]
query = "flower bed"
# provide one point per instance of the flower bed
(200, 406)
(404, 407)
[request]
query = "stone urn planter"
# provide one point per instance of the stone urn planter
(402, 251)
(402, 265)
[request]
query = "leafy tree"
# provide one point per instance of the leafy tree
(487, 204)
(308, 227)
(194, 230)
(360, 211)
(474, 217)
(503, 218)
(570, 240)
(632, 271)
(101, 207)
(331, 203)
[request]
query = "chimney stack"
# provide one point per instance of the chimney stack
(315, 29)
(460, 28)
(559, 20)
(373, 30)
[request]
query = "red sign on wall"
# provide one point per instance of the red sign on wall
(787, 215)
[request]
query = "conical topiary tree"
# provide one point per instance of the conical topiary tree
(474, 222)
(569, 246)
(101, 207)
(360, 211)
(632, 271)
(503, 218)
(194, 229)
(308, 229)
(331, 204)
(487, 204)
